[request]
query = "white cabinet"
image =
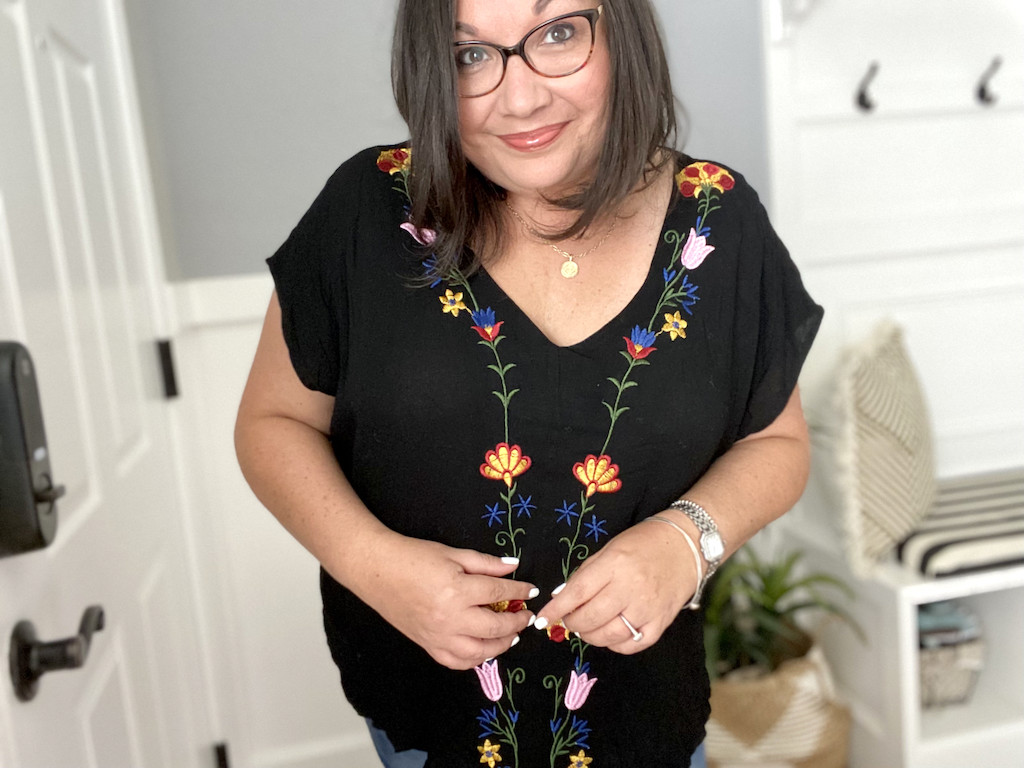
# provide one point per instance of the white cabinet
(913, 210)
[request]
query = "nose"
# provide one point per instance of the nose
(522, 91)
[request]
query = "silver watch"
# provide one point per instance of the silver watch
(712, 545)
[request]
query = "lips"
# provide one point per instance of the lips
(530, 141)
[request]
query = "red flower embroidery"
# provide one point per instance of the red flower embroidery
(598, 474)
(505, 462)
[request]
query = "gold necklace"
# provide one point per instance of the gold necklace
(569, 267)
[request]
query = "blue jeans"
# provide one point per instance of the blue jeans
(414, 758)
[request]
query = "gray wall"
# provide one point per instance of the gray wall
(249, 105)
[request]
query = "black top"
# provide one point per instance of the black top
(457, 420)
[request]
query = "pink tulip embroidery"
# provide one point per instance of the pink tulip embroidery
(490, 679)
(422, 236)
(578, 689)
(695, 250)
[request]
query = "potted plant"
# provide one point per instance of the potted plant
(772, 697)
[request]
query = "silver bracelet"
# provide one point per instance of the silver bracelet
(693, 603)
(712, 545)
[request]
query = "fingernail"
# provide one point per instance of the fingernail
(533, 593)
(576, 634)
(510, 560)
(488, 661)
(532, 620)
(558, 589)
(540, 623)
(515, 641)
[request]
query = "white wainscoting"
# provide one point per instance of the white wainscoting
(277, 685)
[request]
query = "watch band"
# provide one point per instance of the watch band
(712, 545)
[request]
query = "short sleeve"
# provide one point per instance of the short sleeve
(787, 320)
(308, 271)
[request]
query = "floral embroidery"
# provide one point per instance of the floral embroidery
(674, 326)
(505, 462)
(598, 474)
(640, 343)
(695, 250)
(489, 753)
(485, 324)
(452, 302)
(490, 679)
(578, 690)
(394, 161)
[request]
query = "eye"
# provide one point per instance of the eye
(558, 33)
(470, 56)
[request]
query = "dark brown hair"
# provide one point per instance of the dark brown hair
(452, 197)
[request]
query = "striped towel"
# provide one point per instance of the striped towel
(976, 523)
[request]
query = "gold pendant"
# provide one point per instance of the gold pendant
(569, 269)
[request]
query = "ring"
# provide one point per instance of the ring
(637, 634)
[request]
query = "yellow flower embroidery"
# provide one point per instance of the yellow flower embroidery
(452, 302)
(674, 326)
(700, 177)
(489, 753)
(580, 760)
(598, 474)
(505, 462)
(393, 161)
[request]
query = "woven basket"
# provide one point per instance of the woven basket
(787, 719)
(949, 673)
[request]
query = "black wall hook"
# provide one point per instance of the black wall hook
(985, 96)
(864, 101)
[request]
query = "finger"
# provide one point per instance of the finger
(469, 652)
(568, 597)
(490, 590)
(472, 561)
(612, 633)
(602, 610)
(485, 624)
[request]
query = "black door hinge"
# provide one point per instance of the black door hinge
(220, 750)
(167, 369)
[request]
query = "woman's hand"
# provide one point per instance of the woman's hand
(646, 574)
(439, 598)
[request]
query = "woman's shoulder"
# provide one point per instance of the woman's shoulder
(696, 175)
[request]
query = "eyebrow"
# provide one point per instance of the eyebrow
(469, 29)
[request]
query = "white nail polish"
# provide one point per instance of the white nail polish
(576, 635)
(533, 619)
(558, 589)
(533, 593)
(510, 560)
(515, 641)
(540, 623)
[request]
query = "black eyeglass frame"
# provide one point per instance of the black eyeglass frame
(519, 49)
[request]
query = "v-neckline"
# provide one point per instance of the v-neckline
(627, 310)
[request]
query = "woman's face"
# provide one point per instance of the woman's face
(533, 134)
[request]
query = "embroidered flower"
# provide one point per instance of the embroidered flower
(702, 177)
(668, 274)
(452, 302)
(695, 250)
(580, 760)
(488, 720)
(595, 527)
(688, 295)
(489, 753)
(639, 343)
(493, 514)
(567, 512)
(524, 506)
(505, 462)
(581, 730)
(422, 236)
(507, 606)
(674, 326)
(394, 161)
(485, 325)
(430, 270)
(490, 679)
(578, 689)
(598, 474)
(557, 632)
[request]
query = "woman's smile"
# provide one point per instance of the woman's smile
(530, 141)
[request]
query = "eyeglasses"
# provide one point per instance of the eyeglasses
(557, 48)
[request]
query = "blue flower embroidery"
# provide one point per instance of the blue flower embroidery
(567, 512)
(689, 295)
(595, 527)
(523, 506)
(493, 515)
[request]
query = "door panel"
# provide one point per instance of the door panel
(76, 290)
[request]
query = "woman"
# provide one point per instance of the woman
(493, 356)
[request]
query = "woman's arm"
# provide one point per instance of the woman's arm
(435, 595)
(647, 572)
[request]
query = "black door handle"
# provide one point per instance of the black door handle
(30, 659)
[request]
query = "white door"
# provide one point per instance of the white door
(79, 287)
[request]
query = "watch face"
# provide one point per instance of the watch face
(712, 546)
